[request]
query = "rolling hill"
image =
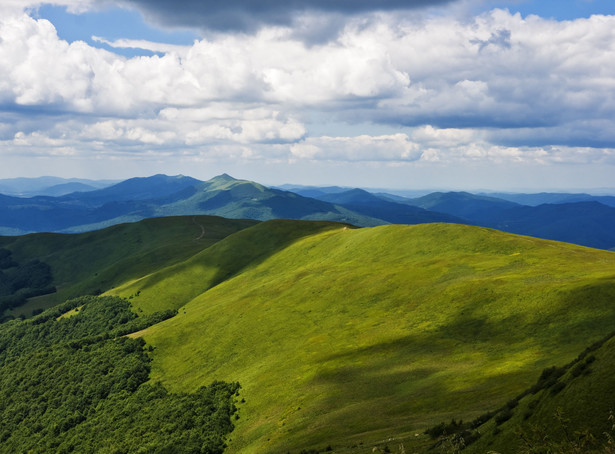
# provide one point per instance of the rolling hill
(93, 262)
(352, 337)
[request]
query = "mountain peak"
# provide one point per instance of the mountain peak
(224, 177)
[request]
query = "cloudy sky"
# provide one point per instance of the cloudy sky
(448, 94)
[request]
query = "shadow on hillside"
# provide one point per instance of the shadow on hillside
(248, 248)
(466, 366)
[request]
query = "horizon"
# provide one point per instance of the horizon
(507, 95)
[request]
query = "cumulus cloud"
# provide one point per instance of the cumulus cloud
(499, 88)
(395, 147)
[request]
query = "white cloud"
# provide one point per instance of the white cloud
(395, 147)
(499, 88)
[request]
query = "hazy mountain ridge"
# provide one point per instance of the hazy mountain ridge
(589, 223)
(51, 186)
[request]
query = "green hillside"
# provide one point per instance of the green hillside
(172, 287)
(351, 337)
(573, 414)
(97, 261)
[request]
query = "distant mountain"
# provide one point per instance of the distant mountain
(312, 191)
(136, 189)
(587, 223)
(378, 207)
(67, 188)
(474, 208)
(161, 195)
(229, 197)
(50, 186)
(553, 197)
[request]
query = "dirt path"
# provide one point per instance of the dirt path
(202, 230)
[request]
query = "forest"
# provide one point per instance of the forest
(71, 381)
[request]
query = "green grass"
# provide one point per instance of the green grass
(172, 287)
(97, 261)
(562, 420)
(341, 337)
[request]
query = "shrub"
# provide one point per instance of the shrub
(503, 416)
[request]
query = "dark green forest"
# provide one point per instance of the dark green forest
(20, 282)
(71, 382)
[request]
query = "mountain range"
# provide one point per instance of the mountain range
(581, 219)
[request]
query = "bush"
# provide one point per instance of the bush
(557, 387)
(503, 416)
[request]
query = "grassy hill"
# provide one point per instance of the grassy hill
(97, 261)
(353, 337)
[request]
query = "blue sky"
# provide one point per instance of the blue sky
(451, 94)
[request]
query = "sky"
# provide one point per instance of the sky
(408, 94)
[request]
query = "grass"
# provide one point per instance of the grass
(348, 337)
(172, 287)
(562, 417)
(94, 262)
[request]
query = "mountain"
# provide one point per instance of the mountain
(472, 207)
(363, 202)
(351, 337)
(587, 223)
(312, 191)
(66, 188)
(229, 197)
(553, 197)
(51, 186)
(161, 195)
(135, 189)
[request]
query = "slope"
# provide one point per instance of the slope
(350, 337)
(95, 261)
(571, 413)
(172, 287)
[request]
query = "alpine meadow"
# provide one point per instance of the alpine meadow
(307, 227)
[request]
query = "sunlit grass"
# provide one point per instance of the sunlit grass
(350, 336)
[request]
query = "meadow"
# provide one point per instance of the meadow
(352, 337)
